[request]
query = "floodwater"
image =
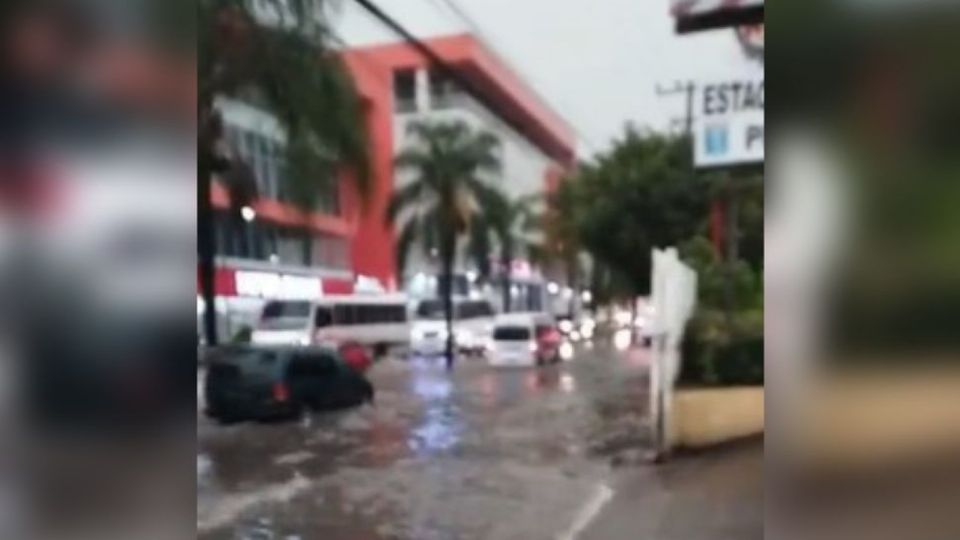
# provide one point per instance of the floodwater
(477, 453)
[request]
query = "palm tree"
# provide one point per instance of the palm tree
(278, 58)
(515, 225)
(452, 165)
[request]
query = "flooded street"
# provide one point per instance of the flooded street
(476, 453)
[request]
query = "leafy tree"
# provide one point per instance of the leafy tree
(563, 245)
(641, 194)
(277, 56)
(448, 193)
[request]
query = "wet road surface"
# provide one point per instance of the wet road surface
(479, 453)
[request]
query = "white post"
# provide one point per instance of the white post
(673, 297)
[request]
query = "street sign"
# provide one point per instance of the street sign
(728, 122)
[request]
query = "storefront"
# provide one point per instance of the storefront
(243, 286)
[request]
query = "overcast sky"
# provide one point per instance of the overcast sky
(596, 62)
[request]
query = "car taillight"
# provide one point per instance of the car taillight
(280, 392)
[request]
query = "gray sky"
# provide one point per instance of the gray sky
(597, 62)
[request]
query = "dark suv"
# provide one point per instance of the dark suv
(261, 383)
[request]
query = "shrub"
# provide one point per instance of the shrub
(718, 350)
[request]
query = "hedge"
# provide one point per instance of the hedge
(718, 350)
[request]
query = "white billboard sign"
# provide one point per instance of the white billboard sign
(274, 286)
(728, 125)
(688, 8)
(700, 15)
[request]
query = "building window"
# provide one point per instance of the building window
(443, 91)
(405, 90)
(291, 247)
(264, 241)
(262, 154)
(330, 251)
(329, 199)
(267, 159)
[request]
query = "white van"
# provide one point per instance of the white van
(472, 326)
(377, 321)
(524, 339)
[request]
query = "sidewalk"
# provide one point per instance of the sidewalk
(710, 496)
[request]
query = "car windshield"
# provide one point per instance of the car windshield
(511, 333)
(285, 315)
(430, 310)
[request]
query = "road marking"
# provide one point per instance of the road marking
(588, 512)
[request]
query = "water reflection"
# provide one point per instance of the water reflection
(432, 387)
(442, 425)
(441, 430)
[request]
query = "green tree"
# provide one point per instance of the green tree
(452, 165)
(641, 194)
(280, 58)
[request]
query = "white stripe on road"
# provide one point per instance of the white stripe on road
(588, 512)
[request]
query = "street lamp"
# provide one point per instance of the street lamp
(248, 213)
(586, 296)
(553, 288)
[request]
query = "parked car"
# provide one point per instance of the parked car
(524, 340)
(245, 382)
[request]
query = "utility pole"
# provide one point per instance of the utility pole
(687, 88)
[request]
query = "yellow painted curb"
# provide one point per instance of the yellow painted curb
(708, 416)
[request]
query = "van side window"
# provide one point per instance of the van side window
(343, 314)
(323, 317)
(351, 314)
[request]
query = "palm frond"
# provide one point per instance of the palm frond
(446, 191)
(403, 199)
(480, 245)
(289, 68)
(405, 241)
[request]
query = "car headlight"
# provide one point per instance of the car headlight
(463, 336)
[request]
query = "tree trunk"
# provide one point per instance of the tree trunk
(506, 282)
(206, 248)
(208, 162)
(731, 255)
(448, 245)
